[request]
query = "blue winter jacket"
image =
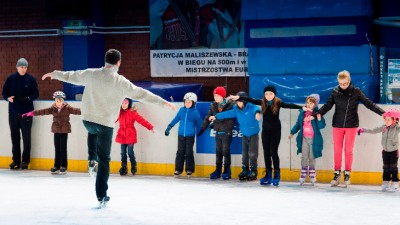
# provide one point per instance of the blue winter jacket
(246, 118)
(318, 141)
(190, 121)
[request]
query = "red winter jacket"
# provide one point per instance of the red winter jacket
(127, 132)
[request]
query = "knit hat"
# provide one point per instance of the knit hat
(220, 91)
(22, 62)
(315, 96)
(270, 88)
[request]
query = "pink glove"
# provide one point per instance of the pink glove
(28, 114)
(360, 131)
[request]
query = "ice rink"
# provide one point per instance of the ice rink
(37, 197)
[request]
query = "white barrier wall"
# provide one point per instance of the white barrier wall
(159, 149)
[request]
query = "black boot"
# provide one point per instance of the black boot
(252, 175)
(243, 174)
(123, 171)
(15, 166)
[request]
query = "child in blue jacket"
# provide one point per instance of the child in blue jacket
(190, 120)
(247, 116)
(309, 140)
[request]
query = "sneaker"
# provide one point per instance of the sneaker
(63, 170)
(14, 165)
(336, 179)
(24, 165)
(346, 178)
(55, 170)
(385, 186)
(92, 165)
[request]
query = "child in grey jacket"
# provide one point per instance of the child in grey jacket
(390, 144)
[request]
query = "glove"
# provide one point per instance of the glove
(211, 125)
(200, 133)
(167, 130)
(31, 113)
(360, 131)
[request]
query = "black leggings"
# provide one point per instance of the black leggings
(270, 142)
(390, 170)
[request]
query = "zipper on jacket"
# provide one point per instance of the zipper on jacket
(184, 128)
(345, 115)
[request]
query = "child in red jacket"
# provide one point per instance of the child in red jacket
(126, 135)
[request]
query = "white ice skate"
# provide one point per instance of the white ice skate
(385, 186)
(103, 202)
(395, 186)
(336, 179)
(92, 165)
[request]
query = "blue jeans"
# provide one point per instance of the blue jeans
(131, 154)
(99, 148)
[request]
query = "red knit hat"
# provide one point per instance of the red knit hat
(220, 91)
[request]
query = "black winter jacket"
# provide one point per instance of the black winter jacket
(346, 106)
(224, 125)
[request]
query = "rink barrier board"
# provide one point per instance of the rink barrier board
(155, 153)
(323, 176)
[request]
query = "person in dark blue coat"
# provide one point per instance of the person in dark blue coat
(189, 123)
(20, 89)
(247, 116)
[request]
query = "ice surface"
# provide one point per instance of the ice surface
(37, 197)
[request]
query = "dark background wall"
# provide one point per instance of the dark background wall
(45, 54)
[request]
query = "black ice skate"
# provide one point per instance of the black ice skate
(244, 173)
(189, 174)
(123, 171)
(24, 165)
(14, 166)
(63, 171)
(55, 170)
(177, 174)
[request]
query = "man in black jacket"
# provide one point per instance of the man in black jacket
(20, 89)
(345, 121)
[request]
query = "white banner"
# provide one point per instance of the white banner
(198, 62)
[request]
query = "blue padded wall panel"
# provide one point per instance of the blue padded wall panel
(338, 31)
(290, 9)
(312, 60)
(295, 88)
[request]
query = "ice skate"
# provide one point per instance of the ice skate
(14, 165)
(303, 175)
(189, 174)
(103, 202)
(177, 174)
(346, 178)
(133, 170)
(216, 174)
(24, 166)
(63, 171)
(252, 175)
(395, 186)
(123, 171)
(385, 186)
(277, 177)
(55, 170)
(92, 165)
(267, 180)
(336, 179)
(313, 175)
(243, 174)
(227, 173)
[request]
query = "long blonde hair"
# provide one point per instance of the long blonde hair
(274, 106)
